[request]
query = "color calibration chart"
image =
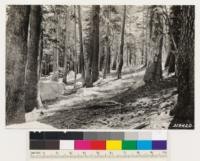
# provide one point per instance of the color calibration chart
(134, 146)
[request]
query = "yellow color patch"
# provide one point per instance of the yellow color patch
(113, 144)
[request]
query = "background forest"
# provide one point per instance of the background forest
(100, 66)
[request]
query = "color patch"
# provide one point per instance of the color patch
(144, 145)
(116, 135)
(159, 135)
(52, 144)
(129, 145)
(98, 145)
(51, 135)
(113, 145)
(37, 144)
(82, 145)
(131, 136)
(159, 145)
(36, 135)
(90, 136)
(71, 136)
(145, 135)
(103, 136)
(67, 144)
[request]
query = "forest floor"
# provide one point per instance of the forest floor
(127, 103)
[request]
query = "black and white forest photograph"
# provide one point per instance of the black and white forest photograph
(100, 66)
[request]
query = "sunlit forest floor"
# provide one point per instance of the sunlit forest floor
(126, 103)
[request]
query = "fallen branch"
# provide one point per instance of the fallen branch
(110, 103)
(141, 126)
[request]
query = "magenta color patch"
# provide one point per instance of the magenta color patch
(82, 145)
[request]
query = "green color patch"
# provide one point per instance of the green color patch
(129, 145)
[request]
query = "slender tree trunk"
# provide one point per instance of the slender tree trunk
(147, 36)
(143, 41)
(114, 65)
(128, 45)
(142, 51)
(39, 68)
(102, 58)
(40, 54)
(32, 59)
(127, 56)
(75, 52)
(16, 52)
(184, 111)
(66, 47)
(55, 50)
(65, 68)
(121, 46)
(130, 56)
(57, 40)
(82, 67)
(107, 57)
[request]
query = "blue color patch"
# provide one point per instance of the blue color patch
(144, 145)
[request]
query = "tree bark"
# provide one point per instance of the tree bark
(107, 56)
(82, 67)
(66, 47)
(95, 60)
(119, 70)
(114, 65)
(91, 42)
(55, 50)
(40, 56)
(174, 30)
(39, 68)
(75, 52)
(184, 111)
(102, 57)
(154, 67)
(127, 55)
(32, 59)
(16, 52)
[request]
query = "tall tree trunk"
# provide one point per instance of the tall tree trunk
(95, 60)
(16, 52)
(92, 45)
(55, 50)
(66, 47)
(57, 40)
(143, 41)
(32, 59)
(119, 70)
(154, 68)
(75, 52)
(107, 56)
(184, 110)
(39, 68)
(174, 23)
(82, 67)
(40, 56)
(147, 33)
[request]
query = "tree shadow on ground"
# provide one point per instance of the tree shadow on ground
(95, 114)
(147, 90)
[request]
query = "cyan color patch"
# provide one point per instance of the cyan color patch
(144, 145)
